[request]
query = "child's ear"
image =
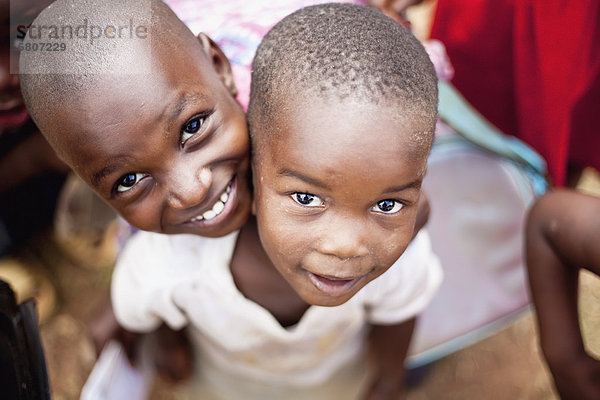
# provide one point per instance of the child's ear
(219, 62)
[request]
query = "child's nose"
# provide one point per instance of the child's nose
(189, 187)
(8, 81)
(344, 238)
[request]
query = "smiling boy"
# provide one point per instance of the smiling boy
(155, 132)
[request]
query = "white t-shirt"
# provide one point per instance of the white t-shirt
(186, 280)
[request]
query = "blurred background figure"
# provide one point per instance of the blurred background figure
(31, 175)
(532, 68)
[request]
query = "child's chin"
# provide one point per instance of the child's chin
(322, 300)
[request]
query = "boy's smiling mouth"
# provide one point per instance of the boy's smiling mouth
(221, 207)
(217, 208)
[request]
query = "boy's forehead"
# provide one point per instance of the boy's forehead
(346, 145)
(328, 121)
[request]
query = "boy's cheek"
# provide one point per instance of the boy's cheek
(253, 206)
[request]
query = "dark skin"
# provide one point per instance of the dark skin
(562, 238)
(385, 340)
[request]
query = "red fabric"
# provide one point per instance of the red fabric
(532, 67)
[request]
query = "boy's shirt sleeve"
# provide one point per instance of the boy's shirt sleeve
(143, 284)
(407, 287)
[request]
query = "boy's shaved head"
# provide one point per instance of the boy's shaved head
(103, 40)
(143, 111)
(342, 51)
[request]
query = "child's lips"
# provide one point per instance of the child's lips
(219, 210)
(331, 285)
(13, 117)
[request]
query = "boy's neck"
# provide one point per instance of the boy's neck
(258, 280)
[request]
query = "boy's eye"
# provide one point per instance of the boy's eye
(127, 181)
(307, 200)
(387, 206)
(190, 128)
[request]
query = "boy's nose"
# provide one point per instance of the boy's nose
(344, 238)
(8, 82)
(189, 187)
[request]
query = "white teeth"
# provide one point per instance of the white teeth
(208, 215)
(217, 208)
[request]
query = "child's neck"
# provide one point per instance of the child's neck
(258, 280)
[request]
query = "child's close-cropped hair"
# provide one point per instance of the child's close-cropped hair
(334, 51)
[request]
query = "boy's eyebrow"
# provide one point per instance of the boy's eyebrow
(177, 109)
(416, 184)
(181, 104)
(302, 177)
(98, 177)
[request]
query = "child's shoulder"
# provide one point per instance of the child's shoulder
(158, 248)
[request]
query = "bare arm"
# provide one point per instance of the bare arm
(389, 344)
(172, 357)
(563, 235)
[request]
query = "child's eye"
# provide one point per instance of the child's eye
(387, 206)
(190, 128)
(127, 181)
(307, 200)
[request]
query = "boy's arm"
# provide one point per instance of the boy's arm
(563, 231)
(389, 345)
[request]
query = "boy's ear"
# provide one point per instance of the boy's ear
(219, 62)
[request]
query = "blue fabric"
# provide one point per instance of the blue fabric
(471, 125)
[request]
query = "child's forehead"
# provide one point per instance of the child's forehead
(348, 146)
(355, 119)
